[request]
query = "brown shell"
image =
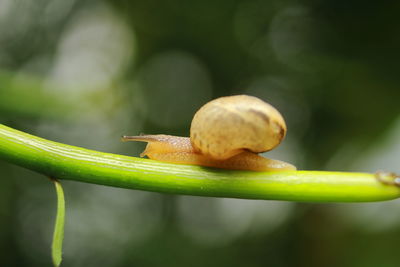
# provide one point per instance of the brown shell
(227, 126)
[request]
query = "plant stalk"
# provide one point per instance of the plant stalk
(79, 164)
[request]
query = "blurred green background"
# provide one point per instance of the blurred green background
(86, 72)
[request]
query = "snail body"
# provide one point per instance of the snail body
(227, 132)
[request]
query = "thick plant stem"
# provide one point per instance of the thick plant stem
(74, 163)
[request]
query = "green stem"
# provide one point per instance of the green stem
(74, 163)
(58, 235)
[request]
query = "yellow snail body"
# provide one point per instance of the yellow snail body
(227, 132)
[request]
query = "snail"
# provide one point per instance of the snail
(227, 132)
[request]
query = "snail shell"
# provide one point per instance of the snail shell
(227, 126)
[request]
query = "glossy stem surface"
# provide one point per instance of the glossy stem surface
(74, 163)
